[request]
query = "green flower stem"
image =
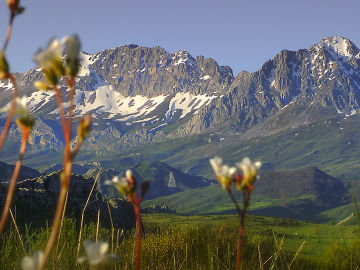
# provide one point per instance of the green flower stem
(10, 193)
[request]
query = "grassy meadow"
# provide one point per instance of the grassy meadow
(198, 242)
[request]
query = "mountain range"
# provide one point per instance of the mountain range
(150, 104)
(305, 193)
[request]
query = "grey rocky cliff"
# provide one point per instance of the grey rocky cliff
(134, 70)
(326, 75)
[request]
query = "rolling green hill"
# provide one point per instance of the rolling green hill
(300, 193)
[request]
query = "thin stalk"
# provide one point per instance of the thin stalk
(246, 200)
(138, 236)
(9, 30)
(55, 227)
(261, 265)
(10, 193)
(238, 209)
(112, 227)
(62, 116)
(77, 148)
(83, 213)
(97, 225)
(65, 180)
(11, 113)
(117, 239)
(17, 230)
(61, 224)
(241, 214)
(70, 83)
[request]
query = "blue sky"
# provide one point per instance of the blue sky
(242, 34)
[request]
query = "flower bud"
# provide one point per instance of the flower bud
(249, 173)
(50, 61)
(51, 76)
(72, 51)
(42, 86)
(13, 4)
(121, 185)
(25, 121)
(128, 174)
(84, 127)
(4, 66)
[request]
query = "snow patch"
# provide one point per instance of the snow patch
(38, 99)
(157, 127)
(187, 103)
(5, 85)
(85, 61)
(105, 100)
(337, 44)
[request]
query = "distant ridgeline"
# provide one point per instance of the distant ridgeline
(306, 193)
(147, 104)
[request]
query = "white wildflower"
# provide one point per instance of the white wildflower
(121, 184)
(72, 50)
(128, 174)
(96, 252)
(33, 262)
(224, 173)
(249, 172)
(50, 61)
(20, 108)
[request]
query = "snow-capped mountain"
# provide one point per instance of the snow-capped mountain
(131, 84)
(137, 95)
(323, 77)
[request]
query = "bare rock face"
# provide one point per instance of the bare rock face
(137, 95)
(35, 201)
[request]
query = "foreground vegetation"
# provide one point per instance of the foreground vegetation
(198, 242)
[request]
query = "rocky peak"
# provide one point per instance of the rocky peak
(183, 57)
(338, 45)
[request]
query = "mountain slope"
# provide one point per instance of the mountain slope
(164, 179)
(300, 193)
(6, 171)
(138, 96)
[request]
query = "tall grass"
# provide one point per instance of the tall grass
(174, 247)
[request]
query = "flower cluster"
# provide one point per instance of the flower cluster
(127, 186)
(123, 185)
(24, 119)
(84, 127)
(243, 175)
(51, 61)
